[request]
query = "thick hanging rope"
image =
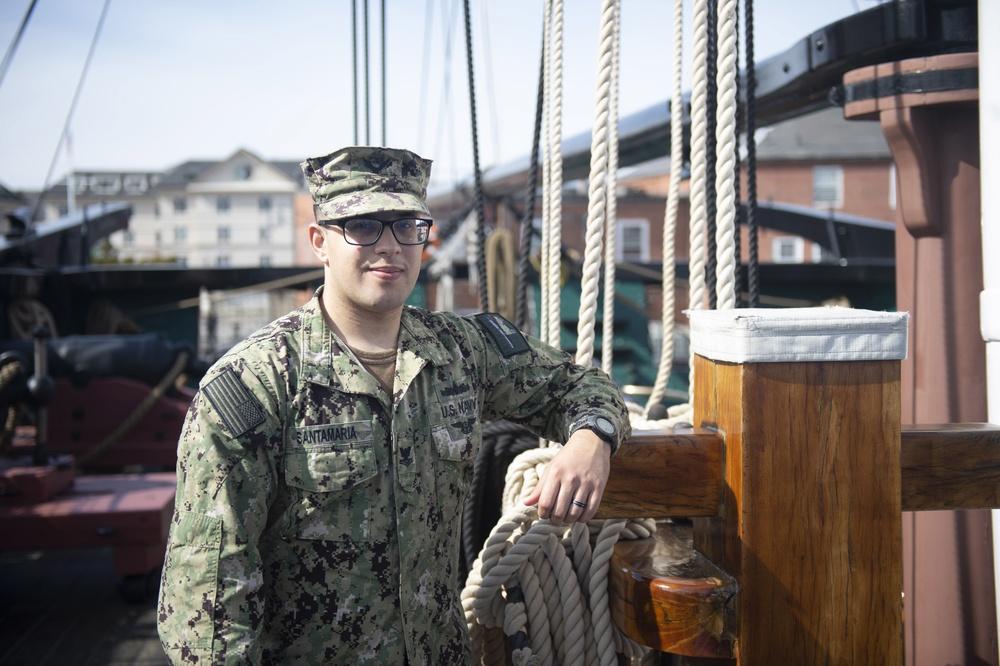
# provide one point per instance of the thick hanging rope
(611, 211)
(500, 272)
(725, 134)
(670, 216)
(697, 288)
(711, 145)
(527, 220)
(147, 403)
(753, 280)
(596, 209)
(484, 300)
(554, 163)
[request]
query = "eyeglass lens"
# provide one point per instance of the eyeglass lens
(407, 231)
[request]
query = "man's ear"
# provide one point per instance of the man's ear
(317, 241)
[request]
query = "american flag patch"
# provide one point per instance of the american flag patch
(236, 406)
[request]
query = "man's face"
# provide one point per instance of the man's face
(375, 278)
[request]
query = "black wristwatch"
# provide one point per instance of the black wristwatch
(604, 428)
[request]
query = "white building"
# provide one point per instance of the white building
(238, 212)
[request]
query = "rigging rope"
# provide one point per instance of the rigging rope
(164, 385)
(753, 281)
(384, 105)
(711, 145)
(725, 134)
(670, 216)
(9, 55)
(354, 69)
(484, 300)
(699, 168)
(368, 113)
(552, 224)
(527, 220)
(72, 108)
(611, 210)
(597, 195)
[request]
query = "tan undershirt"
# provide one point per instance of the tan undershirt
(381, 365)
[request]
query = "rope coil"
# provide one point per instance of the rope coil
(560, 574)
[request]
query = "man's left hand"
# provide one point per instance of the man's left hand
(575, 476)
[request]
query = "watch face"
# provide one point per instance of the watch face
(605, 425)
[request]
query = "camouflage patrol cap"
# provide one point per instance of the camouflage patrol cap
(359, 180)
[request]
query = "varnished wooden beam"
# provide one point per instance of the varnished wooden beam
(661, 474)
(952, 466)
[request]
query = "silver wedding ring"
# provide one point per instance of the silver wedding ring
(582, 505)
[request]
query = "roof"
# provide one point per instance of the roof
(824, 135)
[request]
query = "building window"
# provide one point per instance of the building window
(180, 235)
(222, 204)
(181, 261)
(135, 183)
(222, 261)
(156, 209)
(81, 184)
(264, 204)
(243, 172)
(788, 250)
(223, 234)
(632, 243)
(180, 205)
(105, 184)
(265, 235)
(129, 238)
(828, 186)
(265, 261)
(158, 238)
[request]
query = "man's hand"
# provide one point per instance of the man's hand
(576, 476)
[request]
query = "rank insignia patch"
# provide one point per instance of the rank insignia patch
(510, 340)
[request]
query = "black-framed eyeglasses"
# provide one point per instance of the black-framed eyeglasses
(367, 231)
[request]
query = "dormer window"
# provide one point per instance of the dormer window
(243, 172)
(105, 184)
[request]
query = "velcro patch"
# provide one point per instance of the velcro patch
(237, 407)
(510, 340)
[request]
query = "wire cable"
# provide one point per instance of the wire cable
(9, 55)
(72, 108)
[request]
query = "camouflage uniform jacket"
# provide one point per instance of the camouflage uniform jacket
(317, 518)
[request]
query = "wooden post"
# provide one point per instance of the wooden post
(810, 526)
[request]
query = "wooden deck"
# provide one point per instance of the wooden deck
(64, 606)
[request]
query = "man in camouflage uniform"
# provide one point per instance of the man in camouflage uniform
(325, 461)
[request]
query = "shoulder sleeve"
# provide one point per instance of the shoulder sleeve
(225, 471)
(541, 387)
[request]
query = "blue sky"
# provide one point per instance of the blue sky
(188, 79)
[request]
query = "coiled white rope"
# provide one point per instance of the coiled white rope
(665, 366)
(725, 170)
(546, 586)
(597, 194)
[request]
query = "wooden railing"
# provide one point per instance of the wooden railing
(794, 484)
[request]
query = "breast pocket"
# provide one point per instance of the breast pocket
(456, 445)
(328, 471)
